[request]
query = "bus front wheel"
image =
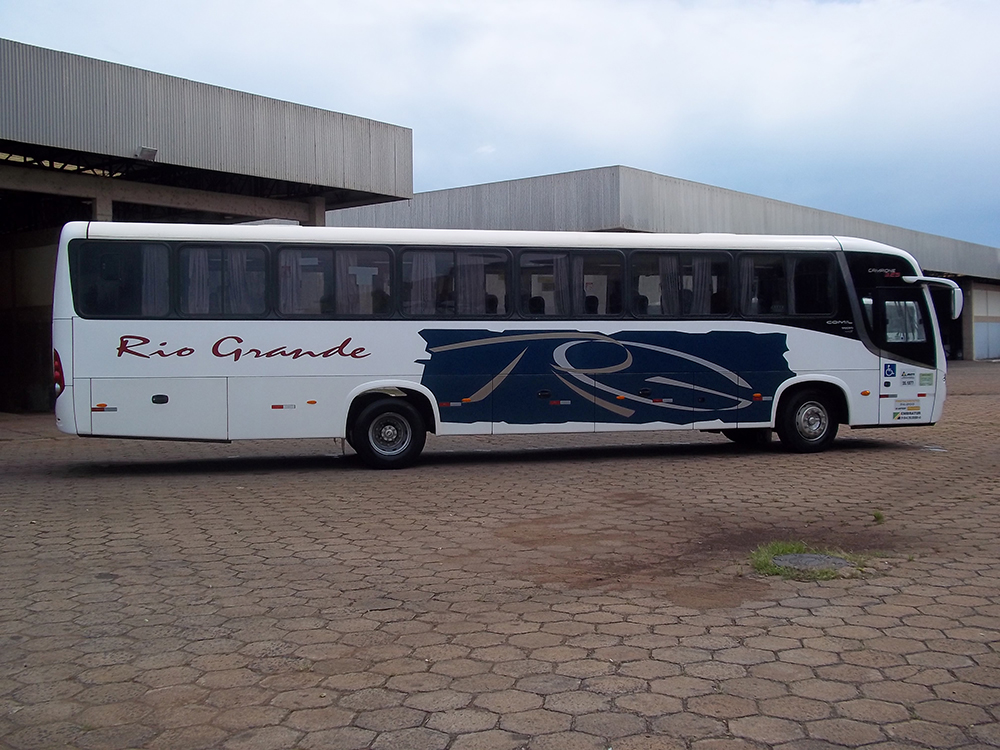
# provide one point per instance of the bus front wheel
(807, 422)
(388, 434)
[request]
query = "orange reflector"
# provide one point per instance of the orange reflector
(311, 402)
(758, 397)
(466, 400)
(620, 398)
(866, 393)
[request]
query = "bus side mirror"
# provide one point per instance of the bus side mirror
(957, 302)
(957, 298)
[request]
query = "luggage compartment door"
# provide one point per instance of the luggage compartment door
(191, 408)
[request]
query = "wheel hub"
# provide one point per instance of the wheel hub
(811, 421)
(389, 435)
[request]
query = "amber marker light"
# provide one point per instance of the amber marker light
(866, 393)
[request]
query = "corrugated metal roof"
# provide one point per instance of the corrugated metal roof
(626, 199)
(66, 101)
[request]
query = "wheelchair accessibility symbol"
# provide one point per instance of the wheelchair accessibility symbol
(890, 371)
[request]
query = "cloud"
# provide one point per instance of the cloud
(775, 97)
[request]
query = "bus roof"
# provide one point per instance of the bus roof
(285, 233)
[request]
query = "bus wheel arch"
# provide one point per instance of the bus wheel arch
(808, 416)
(388, 431)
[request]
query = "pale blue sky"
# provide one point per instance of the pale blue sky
(884, 109)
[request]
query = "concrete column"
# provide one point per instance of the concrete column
(317, 212)
(968, 320)
(103, 206)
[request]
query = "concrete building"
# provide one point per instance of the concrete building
(621, 199)
(87, 139)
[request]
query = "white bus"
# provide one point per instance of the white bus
(376, 336)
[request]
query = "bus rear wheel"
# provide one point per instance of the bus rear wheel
(807, 422)
(388, 434)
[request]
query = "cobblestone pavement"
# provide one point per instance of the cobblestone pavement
(574, 592)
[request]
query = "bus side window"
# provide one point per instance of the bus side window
(904, 322)
(362, 281)
(813, 285)
(482, 282)
(597, 284)
(704, 281)
(114, 280)
(544, 283)
(223, 280)
(763, 288)
(429, 282)
(305, 281)
(656, 284)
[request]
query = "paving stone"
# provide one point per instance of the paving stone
(116, 737)
(722, 706)
(419, 738)
(653, 742)
(507, 702)
(463, 721)
(344, 738)
(314, 719)
(766, 729)
(566, 741)
(490, 740)
(577, 702)
(649, 704)
(688, 726)
(201, 737)
(443, 607)
(928, 734)
(535, 722)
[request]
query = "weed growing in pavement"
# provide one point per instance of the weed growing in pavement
(878, 516)
(762, 560)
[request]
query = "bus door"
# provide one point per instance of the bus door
(905, 335)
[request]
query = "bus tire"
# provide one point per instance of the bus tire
(750, 437)
(388, 434)
(807, 421)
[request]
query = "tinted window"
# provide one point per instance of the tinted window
(544, 284)
(763, 285)
(222, 280)
(428, 282)
(482, 280)
(785, 285)
(305, 281)
(597, 284)
(814, 284)
(362, 281)
(680, 284)
(121, 279)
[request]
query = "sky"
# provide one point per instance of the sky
(887, 110)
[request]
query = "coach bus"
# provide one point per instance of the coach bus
(377, 336)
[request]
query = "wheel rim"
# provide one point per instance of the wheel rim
(389, 435)
(812, 421)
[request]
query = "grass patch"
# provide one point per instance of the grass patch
(762, 561)
(878, 516)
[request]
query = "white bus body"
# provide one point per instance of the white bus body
(178, 370)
